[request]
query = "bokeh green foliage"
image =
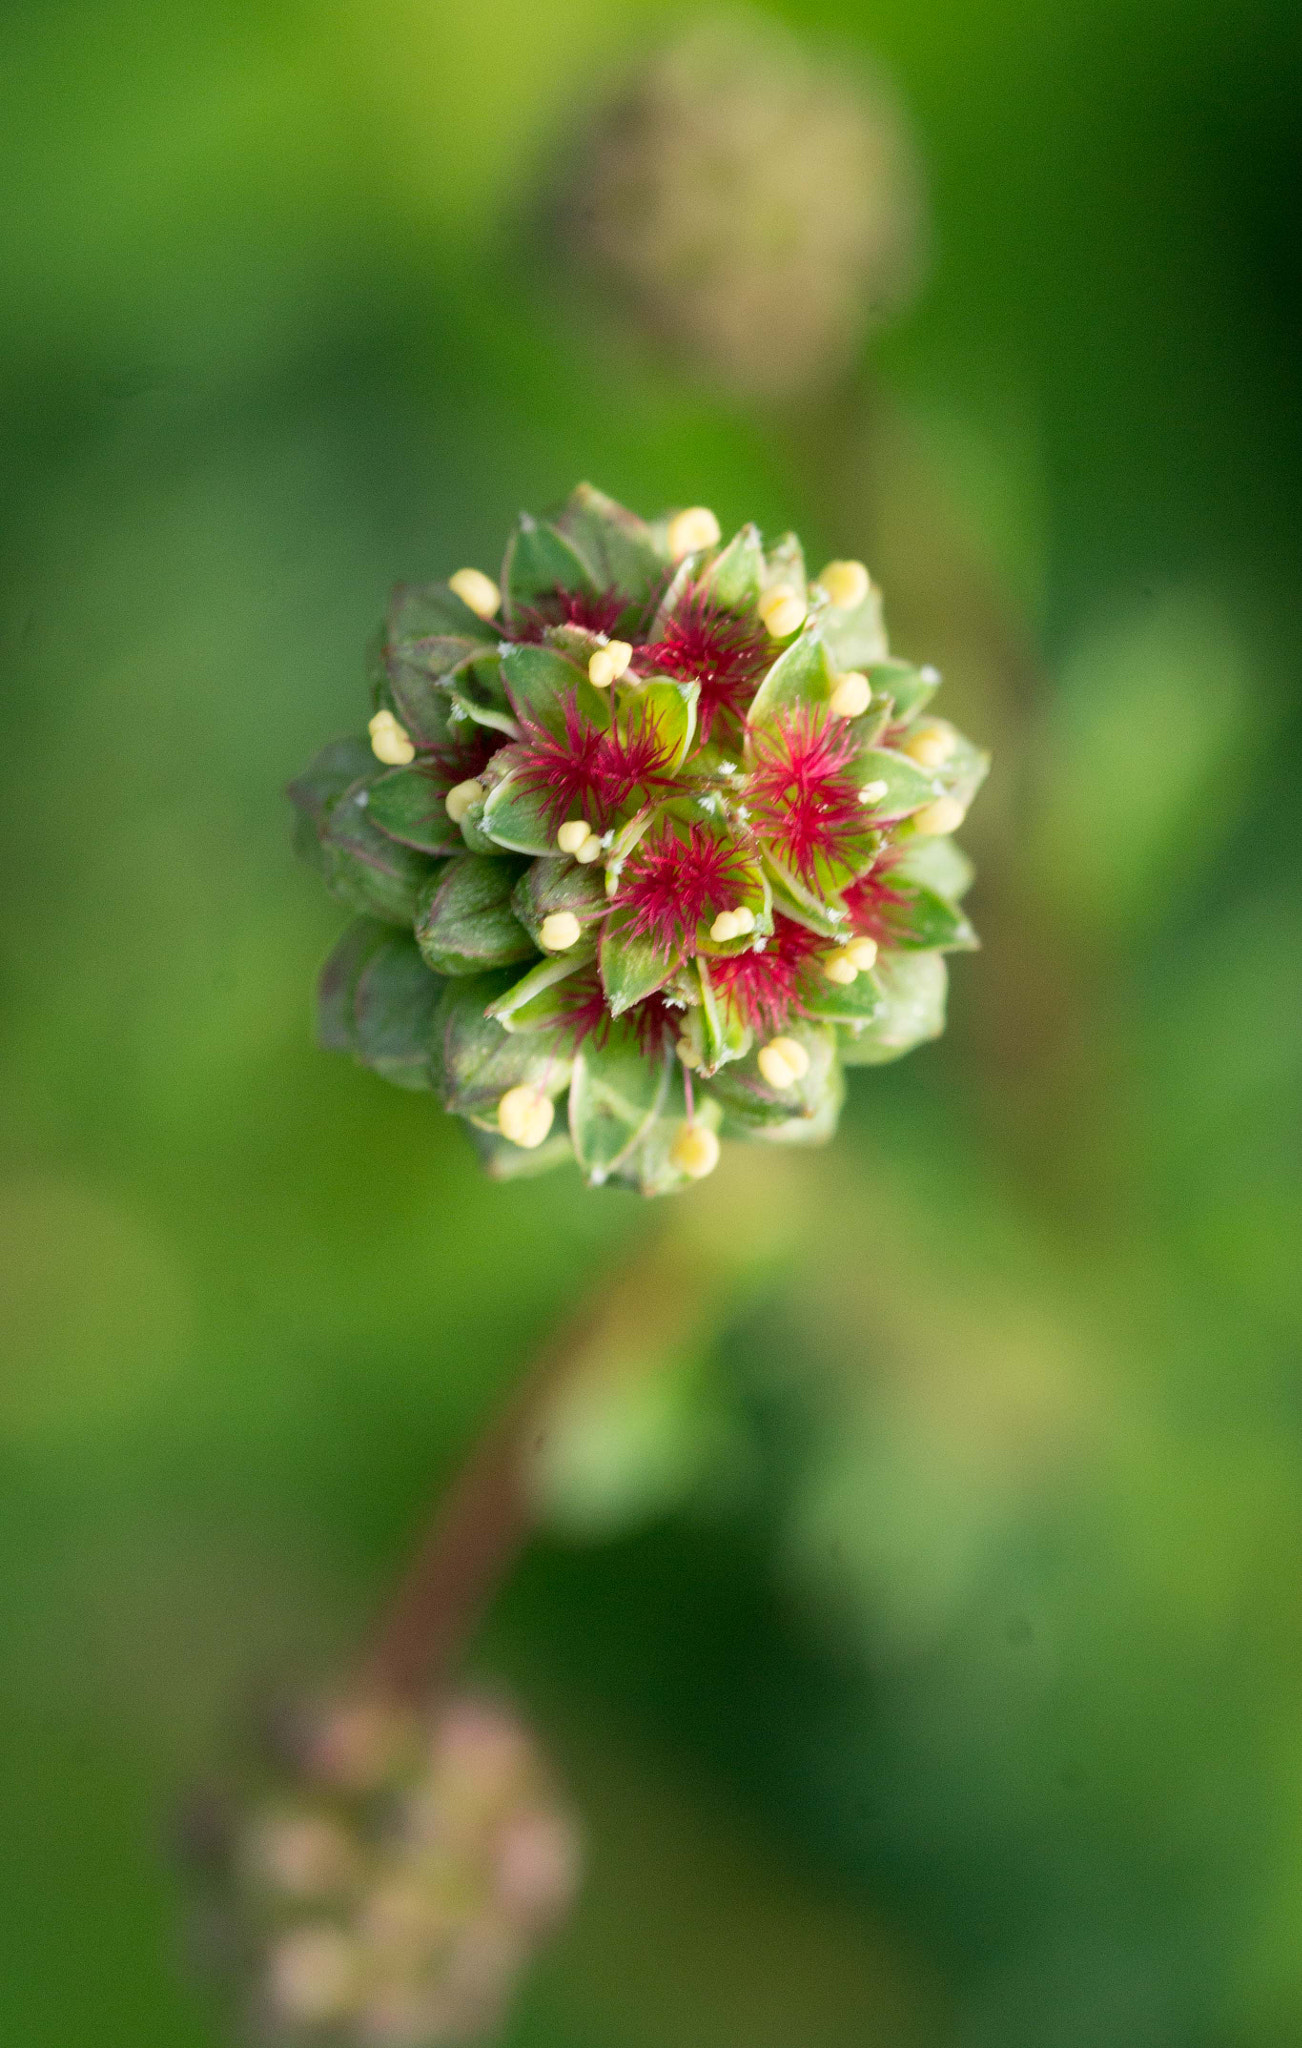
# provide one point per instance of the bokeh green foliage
(926, 1615)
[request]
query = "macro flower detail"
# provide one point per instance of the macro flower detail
(647, 840)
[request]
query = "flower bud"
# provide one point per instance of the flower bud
(945, 815)
(851, 695)
(477, 592)
(390, 742)
(783, 1062)
(573, 834)
(462, 797)
(930, 746)
(846, 584)
(839, 968)
(608, 663)
(862, 953)
(695, 1150)
(525, 1117)
(559, 931)
(693, 530)
(782, 611)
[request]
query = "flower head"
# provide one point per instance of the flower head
(638, 845)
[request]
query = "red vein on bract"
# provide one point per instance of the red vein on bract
(801, 799)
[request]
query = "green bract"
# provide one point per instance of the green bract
(666, 834)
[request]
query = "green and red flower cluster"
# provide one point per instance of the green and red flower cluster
(656, 824)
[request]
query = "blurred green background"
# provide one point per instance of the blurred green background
(925, 1652)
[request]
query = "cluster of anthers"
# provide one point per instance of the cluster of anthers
(653, 820)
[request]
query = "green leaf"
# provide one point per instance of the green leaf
(478, 692)
(631, 967)
(422, 612)
(736, 575)
(408, 805)
(856, 639)
(477, 1060)
(335, 769)
(394, 1000)
(430, 637)
(907, 787)
(615, 1092)
(551, 885)
(829, 919)
(804, 1113)
(912, 1009)
(908, 688)
(802, 678)
(540, 682)
(925, 921)
(518, 818)
(939, 864)
(540, 997)
(616, 547)
(725, 1035)
(668, 708)
(834, 1003)
(364, 867)
(538, 561)
(464, 921)
(336, 1023)
(786, 565)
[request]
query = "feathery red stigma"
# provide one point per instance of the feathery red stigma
(801, 796)
(598, 611)
(676, 878)
(877, 909)
(713, 647)
(764, 988)
(586, 1016)
(565, 771)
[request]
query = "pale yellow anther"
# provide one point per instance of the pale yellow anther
(846, 583)
(389, 741)
(559, 931)
(524, 1115)
(589, 851)
(929, 746)
(945, 815)
(783, 1062)
(783, 612)
(687, 1053)
(695, 1150)
(852, 694)
(863, 952)
(691, 530)
(572, 834)
(609, 663)
(873, 792)
(476, 591)
(725, 927)
(744, 920)
(462, 797)
(838, 967)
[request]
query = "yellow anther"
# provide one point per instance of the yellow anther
(572, 834)
(852, 694)
(945, 815)
(873, 792)
(929, 746)
(612, 881)
(559, 931)
(846, 583)
(462, 797)
(524, 1115)
(695, 1150)
(782, 611)
(477, 591)
(589, 851)
(609, 663)
(838, 967)
(389, 741)
(863, 952)
(687, 1053)
(695, 528)
(725, 927)
(783, 1062)
(744, 920)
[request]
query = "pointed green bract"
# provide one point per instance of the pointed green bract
(632, 967)
(464, 921)
(408, 805)
(913, 987)
(615, 1093)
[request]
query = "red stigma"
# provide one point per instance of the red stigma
(590, 772)
(875, 906)
(674, 880)
(586, 1016)
(764, 988)
(802, 798)
(597, 611)
(703, 643)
